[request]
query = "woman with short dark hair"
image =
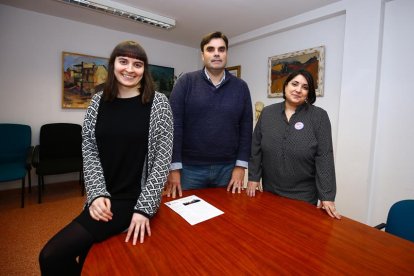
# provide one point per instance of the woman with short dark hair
(292, 148)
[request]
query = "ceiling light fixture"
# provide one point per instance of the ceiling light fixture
(127, 12)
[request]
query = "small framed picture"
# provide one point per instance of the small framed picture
(235, 70)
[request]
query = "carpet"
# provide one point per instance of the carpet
(24, 231)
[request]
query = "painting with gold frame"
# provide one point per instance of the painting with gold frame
(83, 76)
(280, 66)
(235, 70)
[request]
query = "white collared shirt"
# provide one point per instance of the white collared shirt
(220, 82)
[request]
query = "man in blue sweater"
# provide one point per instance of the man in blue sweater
(213, 123)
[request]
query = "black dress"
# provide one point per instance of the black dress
(122, 138)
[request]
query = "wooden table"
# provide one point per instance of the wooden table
(264, 235)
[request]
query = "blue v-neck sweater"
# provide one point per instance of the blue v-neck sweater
(211, 125)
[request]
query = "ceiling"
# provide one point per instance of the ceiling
(194, 18)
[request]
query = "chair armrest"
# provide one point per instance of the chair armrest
(35, 157)
(29, 157)
(380, 226)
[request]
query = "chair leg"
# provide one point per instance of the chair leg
(29, 172)
(23, 187)
(39, 189)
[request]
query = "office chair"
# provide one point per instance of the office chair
(16, 154)
(400, 220)
(59, 151)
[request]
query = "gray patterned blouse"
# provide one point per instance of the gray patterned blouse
(295, 158)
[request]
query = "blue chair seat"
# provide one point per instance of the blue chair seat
(12, 171)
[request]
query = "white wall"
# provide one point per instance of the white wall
(357, 113)
(31, 65)
(393, 164)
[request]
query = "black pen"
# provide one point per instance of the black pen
(191, 202)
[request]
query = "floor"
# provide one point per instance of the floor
(24, 231)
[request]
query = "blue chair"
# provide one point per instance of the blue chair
(16, 154)
(400, 220)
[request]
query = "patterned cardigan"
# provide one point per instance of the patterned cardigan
(156, 166)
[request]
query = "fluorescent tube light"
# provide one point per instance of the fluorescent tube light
(124, 11)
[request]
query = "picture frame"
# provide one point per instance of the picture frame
(280, 66)
(163, 78)
(235, 70)
(84, 75)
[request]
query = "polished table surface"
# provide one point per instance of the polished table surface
(264, 235)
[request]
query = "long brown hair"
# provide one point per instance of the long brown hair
(129, 49)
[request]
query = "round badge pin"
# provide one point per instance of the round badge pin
(299, 125)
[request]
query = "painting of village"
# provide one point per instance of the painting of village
(281, 66)
(83, 76)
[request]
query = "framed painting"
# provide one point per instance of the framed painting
(312, 60)
(235, 70)
(163, 78)
(83, 76)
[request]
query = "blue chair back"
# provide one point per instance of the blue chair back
(400, 220)
(15, 141)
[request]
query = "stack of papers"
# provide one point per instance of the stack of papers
(194, 209)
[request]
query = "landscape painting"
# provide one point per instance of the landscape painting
(163, 78)
(83, 76)
(281, 66)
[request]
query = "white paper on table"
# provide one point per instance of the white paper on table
(194, 209)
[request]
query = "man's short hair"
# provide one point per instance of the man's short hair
(208, 37)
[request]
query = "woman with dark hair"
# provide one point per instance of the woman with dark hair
(292, 147)
(127, 146)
